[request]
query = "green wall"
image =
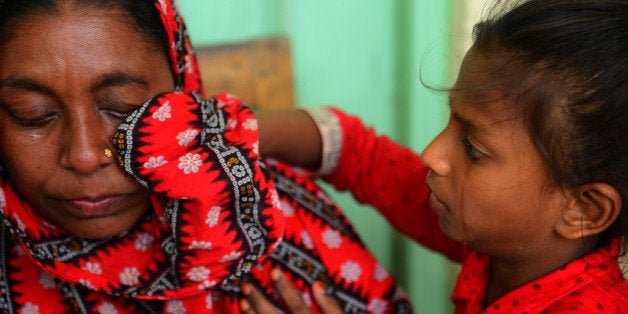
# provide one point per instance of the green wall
(365, 56)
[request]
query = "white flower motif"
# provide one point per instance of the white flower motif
(190, 163)
(286, 207)
(163, 112)
(200, 245)
(213, 216)
(307, 240)
(377, 306)
(231, 256)
(231, 123)
(3, 199)
(332, 238)
(198, 273)
(175, 307)
(143, 241)
(380, 273)
(129, 276)
(206, 284)
(107, 308)
(46, 280)
(86, 283)
(29, 308)
(250, 124)
(186, 137)
(93, 268)
(154, 162)
(350, 271)
(256, 148)
(209, 301)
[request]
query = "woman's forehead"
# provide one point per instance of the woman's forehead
(76, 45)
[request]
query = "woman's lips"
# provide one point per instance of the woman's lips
(95, 207)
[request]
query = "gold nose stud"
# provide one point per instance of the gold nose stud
(108, 152)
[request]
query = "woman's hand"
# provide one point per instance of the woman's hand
(255, 302)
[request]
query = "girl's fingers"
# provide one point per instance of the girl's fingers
(290, 296)
(254, 301)
(326, 302)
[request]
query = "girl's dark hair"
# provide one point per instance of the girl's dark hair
(564, 64)
(143, 13)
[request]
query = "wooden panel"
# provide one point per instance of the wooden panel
(258, 71)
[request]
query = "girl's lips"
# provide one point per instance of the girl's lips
(98, 207)
(436, 204)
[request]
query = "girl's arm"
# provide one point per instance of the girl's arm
(290, 136)
(377, 170)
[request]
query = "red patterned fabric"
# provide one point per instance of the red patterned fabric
(221, 217)
(390, 177)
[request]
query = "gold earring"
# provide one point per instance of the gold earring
(108, 152)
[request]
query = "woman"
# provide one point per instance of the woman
(81, 235)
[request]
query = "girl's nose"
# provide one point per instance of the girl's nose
(436, 155)
(85, 144)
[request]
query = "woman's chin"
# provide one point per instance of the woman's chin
(96, 230)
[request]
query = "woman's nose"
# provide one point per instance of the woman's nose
(436, 155)
(84, 145)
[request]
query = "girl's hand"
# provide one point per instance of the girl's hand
(255, 302)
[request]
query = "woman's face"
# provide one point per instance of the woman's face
(490, 185)
(66, 82)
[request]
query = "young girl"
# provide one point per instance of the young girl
(527, 185)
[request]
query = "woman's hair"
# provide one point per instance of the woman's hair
(563, 65)
(143, 14)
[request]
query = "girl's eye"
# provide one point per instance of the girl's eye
(472, 152)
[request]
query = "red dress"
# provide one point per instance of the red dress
(392, 179)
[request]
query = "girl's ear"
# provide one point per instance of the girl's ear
(591, 209)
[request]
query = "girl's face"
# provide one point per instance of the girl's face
(66, 82)
(491, 188)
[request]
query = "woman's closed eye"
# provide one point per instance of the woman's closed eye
(35, 122)
(472, 152)
(116, 108)
(32, 117)
(118, 114)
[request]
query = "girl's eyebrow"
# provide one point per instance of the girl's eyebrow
(467, 123)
